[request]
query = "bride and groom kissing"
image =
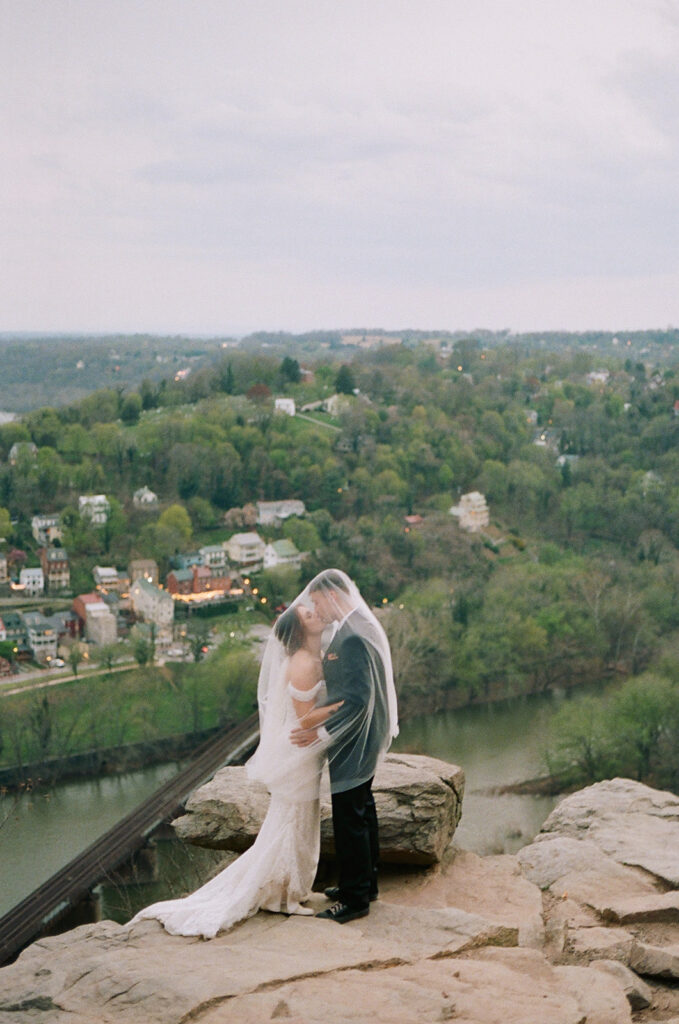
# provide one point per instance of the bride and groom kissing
(326, 697)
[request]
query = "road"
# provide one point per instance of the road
(8, 688)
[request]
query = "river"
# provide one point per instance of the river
(495, 744)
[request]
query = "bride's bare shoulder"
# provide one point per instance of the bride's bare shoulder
(303, 670)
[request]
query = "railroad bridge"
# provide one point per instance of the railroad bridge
(54, 902)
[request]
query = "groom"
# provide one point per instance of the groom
(355, 735)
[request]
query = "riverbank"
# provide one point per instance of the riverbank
(107, 761)
(111, 759)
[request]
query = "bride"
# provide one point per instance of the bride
(277, 872)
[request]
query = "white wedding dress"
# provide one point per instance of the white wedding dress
(277, 872)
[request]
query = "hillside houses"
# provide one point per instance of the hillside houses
(472, 512)
(32, 582)
(56, 569)
(46, 529)
(274, 513)
(145, 499)
(143, 568)
(152, 604)
(282, 552)
(95, 507)
(198, 583)
(246, 551)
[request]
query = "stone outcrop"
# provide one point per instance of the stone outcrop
(418, 800)
(629, 822)
(566, 932)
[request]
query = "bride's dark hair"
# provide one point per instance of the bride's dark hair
(289, 630)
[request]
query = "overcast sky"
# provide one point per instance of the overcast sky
(232, 165)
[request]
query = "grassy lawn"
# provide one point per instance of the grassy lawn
(138, 704)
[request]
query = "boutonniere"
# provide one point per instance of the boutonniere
(332, 657)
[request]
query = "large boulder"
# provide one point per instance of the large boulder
(628, 821)
(418, 799)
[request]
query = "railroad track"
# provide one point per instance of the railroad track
(71, 884)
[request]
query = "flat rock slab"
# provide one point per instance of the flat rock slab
(490, 887)
(418, 799)
(601, 943)
(552, 857)
(578, 870)
(476, 990)
(655, 961)
(639, 995)
(631, 822)
(108, 973)
(296, 970)
(663, 907)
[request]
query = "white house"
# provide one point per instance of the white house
(472, 512)
(95, 507)
(145, 498)
(151, 603)
(273, 513)
(42, 637)
(598, 377)
(46, 529)
(336, 404)
(282, 552)
(286, 405)
(213, 555)
(4, 576)
(106, 576)
(246, 550)
(33, 581)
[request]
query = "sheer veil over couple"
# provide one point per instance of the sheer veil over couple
(326, 696)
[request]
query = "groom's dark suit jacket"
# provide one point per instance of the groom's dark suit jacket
(354, 673)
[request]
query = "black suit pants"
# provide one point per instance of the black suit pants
(354, 822)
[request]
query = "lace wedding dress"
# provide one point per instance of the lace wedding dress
(277, 872)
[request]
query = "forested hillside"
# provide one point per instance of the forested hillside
(575, 579)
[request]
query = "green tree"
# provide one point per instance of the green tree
(75, 657)
(581, 748)
(142, 649)
(5, 524)
(290, 370)
(106, 655)
(344, 381)
(196, 642)
(131, 408)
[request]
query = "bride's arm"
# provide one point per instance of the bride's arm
(303, 673)
(317, 716)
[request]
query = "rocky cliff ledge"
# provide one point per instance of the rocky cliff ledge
(581, 927)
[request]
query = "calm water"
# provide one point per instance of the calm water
(46, 829)
(495, 745)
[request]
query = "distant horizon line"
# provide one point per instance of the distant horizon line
(240, 335)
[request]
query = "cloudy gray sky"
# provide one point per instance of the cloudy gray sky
(231, 165)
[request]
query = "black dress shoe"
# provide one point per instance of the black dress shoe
(342, 913)
(333, 893)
